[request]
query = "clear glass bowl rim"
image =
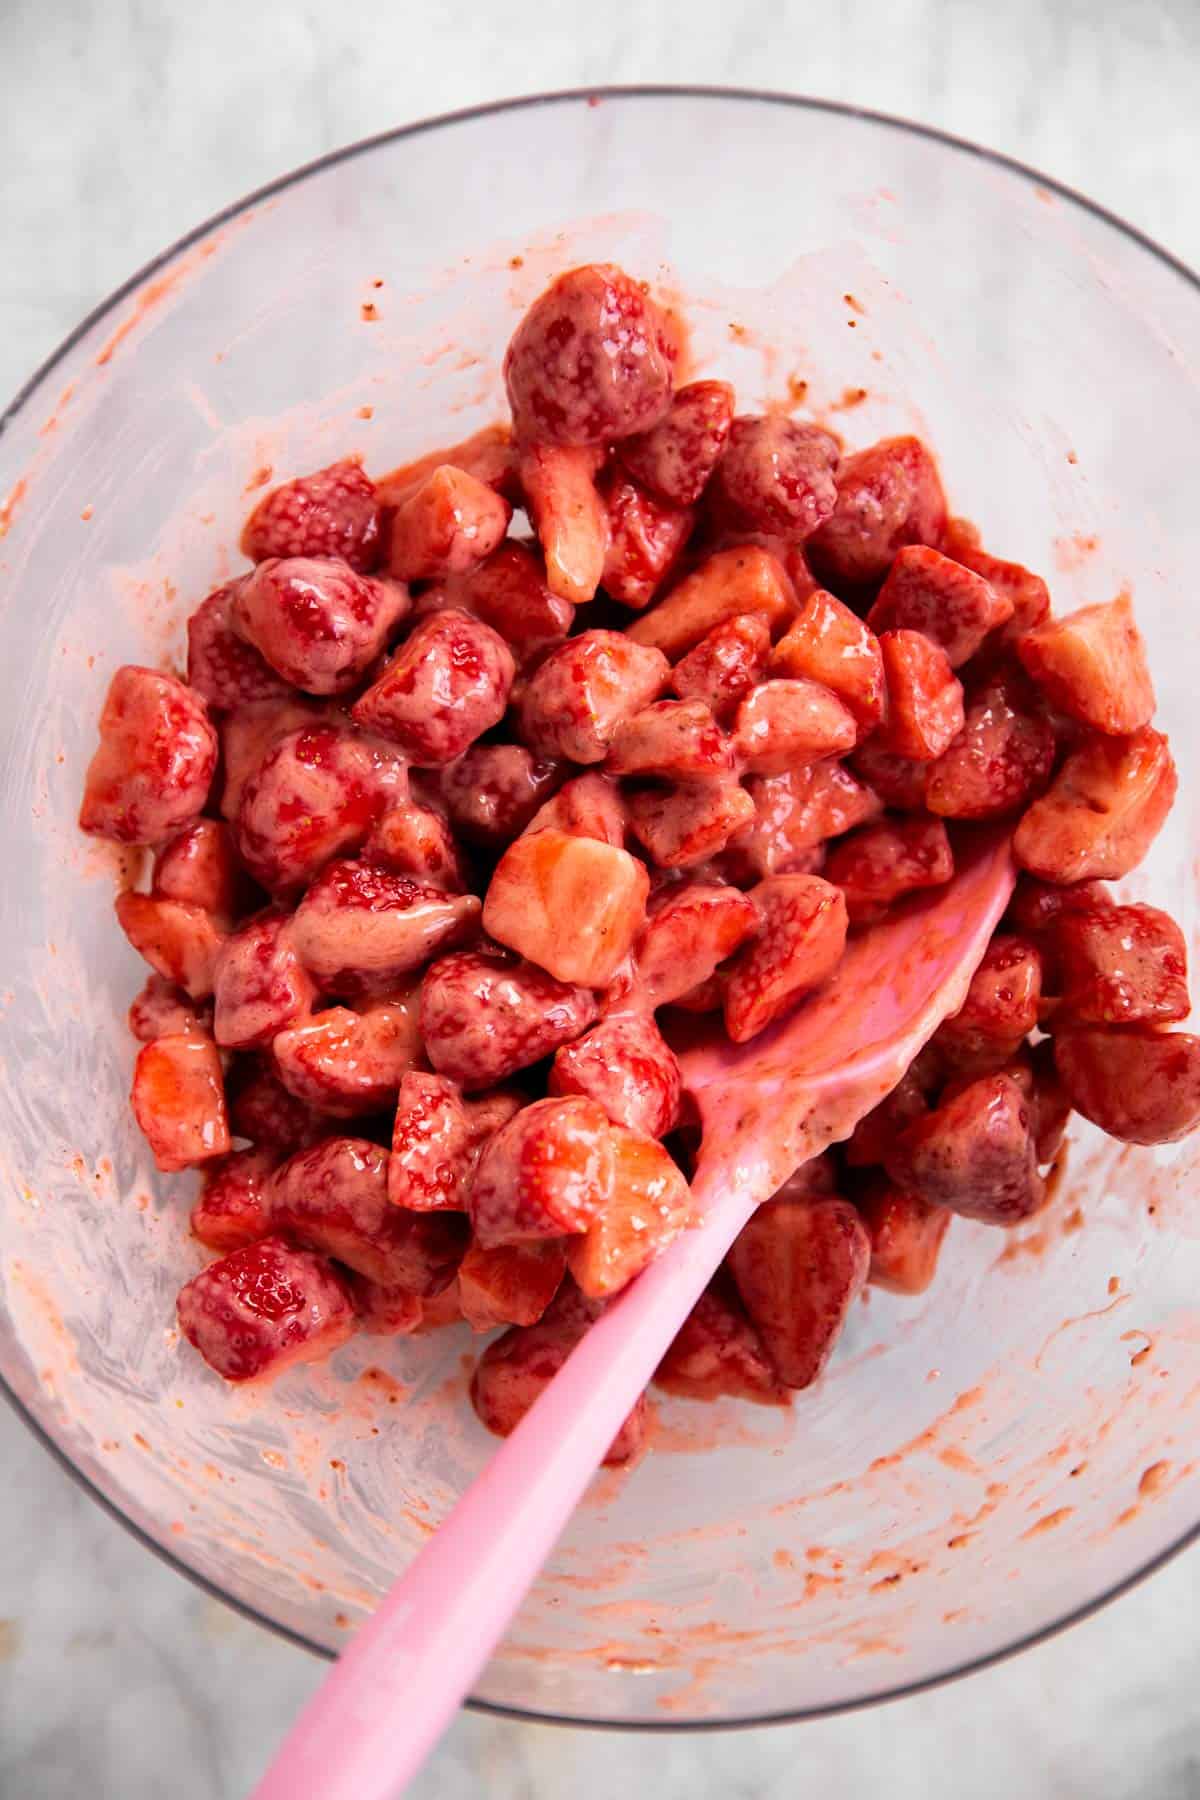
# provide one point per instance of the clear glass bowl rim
(362, 147)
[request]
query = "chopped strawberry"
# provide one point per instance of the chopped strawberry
(487, 454)
(974, 1153)
(650, 1203)
(674, 739)
(259, 982)
(906, 1235)
(799, 1265)
(887, 496)
(1028, 593)
(409, 840)
(794, 813)
(688, 935)
(830, 644)
(1103, 811)
(802, 934)
(777, 475)
(335, 512)
(783, 724)
(344, 1063)
(199, 867)
(688, 822)
(179, 1100)
(925, 699)
(485, 1015)
(1120, 965)
(493, 791)
(875, 1132)
(508, 591)
(645, 539)
(251, 731)
(262, 1109)
(221, 666)
(511, 1284)
(359, 929)
(548, 1172)
(726, 663)
(727, 585)
(1002, 757)
(163, 1010)
(569, 517)
(718, 1351)
(231, 1210)
(589, 806)
(446, 525)
(582, 692)
(180, 942)
(151, 774)
(951, 605)
(625, 1065)
(1000, 1010)
(1092, 666)
(486, 1113)
(446, 685)
(897, 781)
(432, 1158)
(572, 905)
(878, 864)
(590, 361)
(387, 1311)
(1142, 1086)
(333, 1197)
(675, 458)
(1036, 905)
(315, 621)
(263, 1308)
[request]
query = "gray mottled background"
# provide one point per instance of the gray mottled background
(125, 123)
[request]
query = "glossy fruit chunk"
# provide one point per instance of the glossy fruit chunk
(199, 867)
(512, 1284)
(334, 512)
(1120, 965)
(410, 840)
(888, 496)
(317, 623)
(180, 942)
(875, 866)
(625, 1065)
(830, 644)
(694, 928)
(1002, 757)
(432, 1158)
(782, 724)
(152, 771)
(493, 791)
(584, 689)
(778, 475)
(645, 539)
(974, 1153)
(673, 739)
(163, 1010)
(1000, 1010)
(1103, 811)
(260, 984)
(569, 517)
(951, 605)
(727, 585)
(344, 1063)
(1092, 665)
(675, 458)
(446, 685)
(925, 699)
(650, 1203)
(359, 929)
(549, 1171)
(718, 1351)
(509, 592)
(231, 1210)
(485, 1015)
(263, 1308)
(446, 525)
(801, 937)
(1137, 1085)
(726, 663)
(687, 822)
(569, 904)
(589, 806)
(179, 1100)
(906, 1235)
(799, 1265)
(221, 666)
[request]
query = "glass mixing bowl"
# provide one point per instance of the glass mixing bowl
(980, 1465)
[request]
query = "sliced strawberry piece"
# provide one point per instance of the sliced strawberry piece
(446, 525)
(251, 731)
(163, 1010)
(446, 685)
(830, 644)
(675, 458)
(231, 1210)
(1103, 811)
(508, 591)
(949, 604)
(875, 866)
(333, 1197)
(778, 475)
(727, 585)
(906, 1235)
(650, 1204)
(645, 539)
(1036, 905)
(572, 905)
(265, 1307)
(199, 867)
(484, 1016)
(1092, 666)
(433, 1151)
(582, 692)
(151, 774)
(515, 1370)
(221, 666)
(1137, 1085)
(802, 934)
(262, 1109)
(179, 1100)
(549, 1171)
(1000, 1010)
(409, 840)
(799, 1265)
(688, 822)
(1002, 757)
(334, 512)
(1027, 592)
(625, 1065)
(315, 621)
(689, 933)
(794, 813)
(512, 1284)
(726, 663)
(180, 942)
(718, 1351)
(386, 1311)
(359, 929)
(569, 517)
(1121, 965)
(898, 781)
(260, 985)
(925, 699)
(888, 496)
(974, 1153)
(782, 725)
(493, 791)
(487, 454)
(589, 806)
(344, 1063)
(674, 739)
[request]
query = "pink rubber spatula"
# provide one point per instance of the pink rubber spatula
(765, 1107)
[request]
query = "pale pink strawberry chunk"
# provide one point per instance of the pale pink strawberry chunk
(262, 1109)
(180, 942)
(591, 360)
(582, 692)
(515, 1370)
(1028, 593)
(263, 1308)
(548, 1172)
(359, 929)
(830, 644)
(485, 1015)
(569, 517)
(433, 1149)
(718, 1351)
(1000, 1010)
(906, 1235)
(493, 791)
(974, 1153)
(951, 605)
(726, 663)
(674, 739)
(316, 622)
(646, 538)
(875, 866)
(782, 725)
(777, 475)
(221, 666)
(343, 1062)
(1002, 757)
(689, 933)
(801, 937)
(445, 526)
(151, 774)
(334, 512)
(1092, 666)
(163, 1010)
(799, 1265)
(925, 699)
(446, 685)
(898, 781)
(626, 1066)
(410, 840)
(509, 592)
(682, 824)
(675, 458)
(333, 1197)
(727, 585)
(260, 985)
(317, 794)
(1120, 965)
(232, 1209)
(1103, 811)
(1139, 1085)
(794, 813)
(511, 1284)
(650, 1204)
(572, 905)
(487, 454)
(199, 867)
(589, 806)
(179, 1100)
(887, 496)
(251, 731)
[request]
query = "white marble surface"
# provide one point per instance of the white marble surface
(124, 125)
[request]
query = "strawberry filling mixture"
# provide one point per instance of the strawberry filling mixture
(487, 777)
